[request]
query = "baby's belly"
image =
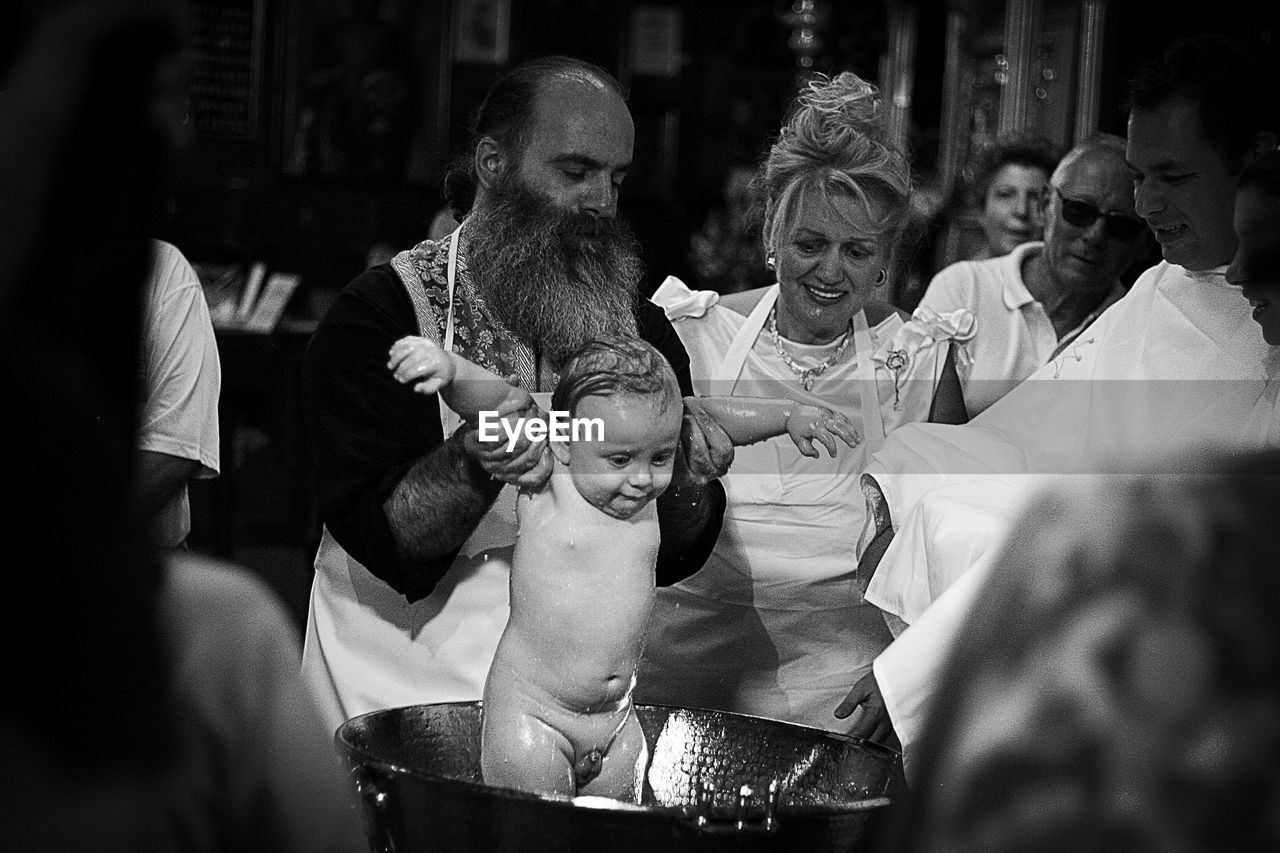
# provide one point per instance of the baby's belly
(585, 649)
(581, 597)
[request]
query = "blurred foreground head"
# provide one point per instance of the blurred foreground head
(1118, 687)
(82, 172)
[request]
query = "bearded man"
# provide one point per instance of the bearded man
(410, 593)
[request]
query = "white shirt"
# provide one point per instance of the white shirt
(182, 379)
(1013, 335)
(1177, 364)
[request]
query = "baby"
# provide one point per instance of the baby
(558, 716)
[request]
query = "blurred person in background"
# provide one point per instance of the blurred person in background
(159, 704)
(1005, 185)
(1117, 685)
(1036, 299)
(1002, 187)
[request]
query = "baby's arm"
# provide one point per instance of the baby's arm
(751, 419)
(465, 386)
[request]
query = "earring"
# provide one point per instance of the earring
(882, 277)
(771, 260)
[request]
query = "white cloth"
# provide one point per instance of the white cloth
(678, 301)
(921, 652)
(181, 378)
(1014, 336)
(773, 624)
(368, 648)
(1176, 365)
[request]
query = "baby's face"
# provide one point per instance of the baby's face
(632, 465)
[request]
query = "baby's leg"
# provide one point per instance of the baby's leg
(520, 750)
(622, 765)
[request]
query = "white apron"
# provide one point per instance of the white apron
(773, 625)
(368, 648)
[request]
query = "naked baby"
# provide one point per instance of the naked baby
(558, 716)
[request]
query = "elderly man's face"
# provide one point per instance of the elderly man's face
(1181, 185)
(579, 148)
(1085, 254)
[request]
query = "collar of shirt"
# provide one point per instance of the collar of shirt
(1016, 295)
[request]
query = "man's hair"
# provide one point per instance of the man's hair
(506, 115)
(1021, 149)
(1226, 85)
(1263, 173)
(612, 366)
(1099, 141)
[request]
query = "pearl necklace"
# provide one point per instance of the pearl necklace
(806, 374)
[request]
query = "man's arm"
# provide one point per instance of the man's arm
(438, 503)
(160, 477)
(392, 491)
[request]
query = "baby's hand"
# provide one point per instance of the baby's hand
(806, 424)
(421, 360)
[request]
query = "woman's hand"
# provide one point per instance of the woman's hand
(807, 424)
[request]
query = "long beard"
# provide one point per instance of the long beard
(555, 278)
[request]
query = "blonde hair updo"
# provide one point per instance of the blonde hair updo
(835, 141)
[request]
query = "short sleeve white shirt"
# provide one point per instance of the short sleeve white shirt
(182, 379)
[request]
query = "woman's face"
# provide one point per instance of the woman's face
(1256, 266)
(828, 258)
(1012, 208)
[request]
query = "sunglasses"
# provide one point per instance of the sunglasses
(1081, 214)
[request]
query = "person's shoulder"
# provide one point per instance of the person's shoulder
(169, 266)
(376, 295)
(743, 302)
(374, 281)
(920, 332)
(196, 576)
(971, 271)
(203, 593)
(163, 250)
(878, 311)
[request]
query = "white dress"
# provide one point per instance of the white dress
(773, 625)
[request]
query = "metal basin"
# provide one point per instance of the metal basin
(715, 781)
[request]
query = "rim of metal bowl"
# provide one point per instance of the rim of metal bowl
(560, 801)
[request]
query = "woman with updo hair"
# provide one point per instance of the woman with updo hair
(774, 624)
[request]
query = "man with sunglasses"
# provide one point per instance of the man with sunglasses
(1034, 300)
(1175, 366)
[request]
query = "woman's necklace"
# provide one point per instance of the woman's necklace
(806, 374)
